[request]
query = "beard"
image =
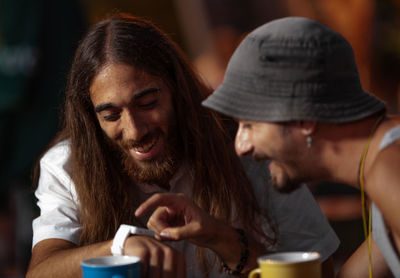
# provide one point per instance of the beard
(280, 179)
(152, 171)
(287, 185)
(158, 171)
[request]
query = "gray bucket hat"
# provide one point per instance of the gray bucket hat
(293, 69)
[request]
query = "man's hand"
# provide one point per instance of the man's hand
(157, 259)
(177, 217)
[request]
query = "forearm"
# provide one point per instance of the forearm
(63, 262)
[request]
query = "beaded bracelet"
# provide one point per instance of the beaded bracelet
(244, 255)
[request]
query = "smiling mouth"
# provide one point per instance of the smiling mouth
(146, 147)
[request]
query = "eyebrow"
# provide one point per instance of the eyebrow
(145, 92)
(137, 96)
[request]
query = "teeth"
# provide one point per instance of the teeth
(146, 147)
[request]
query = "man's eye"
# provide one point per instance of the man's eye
(111, 118)
(246, 125)
(148, 104)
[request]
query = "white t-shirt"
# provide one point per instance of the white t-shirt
(301, 224)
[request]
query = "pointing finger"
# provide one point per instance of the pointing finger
(159, 199)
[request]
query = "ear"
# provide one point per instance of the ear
(308, 127)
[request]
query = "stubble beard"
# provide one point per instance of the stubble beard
(281, 181)
(287, 185)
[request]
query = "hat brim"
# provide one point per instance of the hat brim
(244, 105)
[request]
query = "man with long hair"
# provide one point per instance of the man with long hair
(294, 87)
(134, 127)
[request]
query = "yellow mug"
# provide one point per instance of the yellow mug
(288, 265)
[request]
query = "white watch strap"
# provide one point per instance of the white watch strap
(117, 247)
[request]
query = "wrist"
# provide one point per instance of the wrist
(225, 244)
(239, 266)
(123, 232)
(219, 238)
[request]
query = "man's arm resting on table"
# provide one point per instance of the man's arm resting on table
(61, 258)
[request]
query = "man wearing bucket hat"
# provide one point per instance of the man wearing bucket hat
(294, 88)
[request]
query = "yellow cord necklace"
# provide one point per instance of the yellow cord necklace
(367, 233)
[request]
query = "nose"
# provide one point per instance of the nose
(133, 126)
(243, 145)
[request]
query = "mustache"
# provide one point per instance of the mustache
(131, 143)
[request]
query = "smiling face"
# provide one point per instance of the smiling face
(135, 111)
(278, 143)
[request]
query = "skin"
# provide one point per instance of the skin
(357, 265)
(334, 156)
(284, 155)
(129, 105)
(176, 217)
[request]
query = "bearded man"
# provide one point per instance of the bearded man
(294, 87)
(133, 128)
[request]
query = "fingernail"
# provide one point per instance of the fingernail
(165, 234)
(137, 211)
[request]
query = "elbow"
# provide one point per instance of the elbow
(33, 271)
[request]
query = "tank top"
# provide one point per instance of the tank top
(379, 229)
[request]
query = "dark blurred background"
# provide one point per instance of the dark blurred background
(37, 42)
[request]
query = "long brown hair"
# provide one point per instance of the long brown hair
(220, 181)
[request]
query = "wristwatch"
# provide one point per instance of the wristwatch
(117, 247)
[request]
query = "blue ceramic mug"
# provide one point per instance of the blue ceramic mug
(111, 267)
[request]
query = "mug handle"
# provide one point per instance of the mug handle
(255, 273)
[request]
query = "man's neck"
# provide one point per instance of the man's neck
(342, 149)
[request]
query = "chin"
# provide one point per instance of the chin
(285, 184)
(289, 188)
(151, 171)
(144, 163)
